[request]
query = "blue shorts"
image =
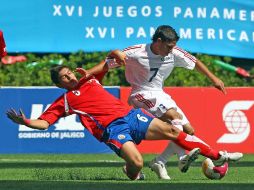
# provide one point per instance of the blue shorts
(132, 127)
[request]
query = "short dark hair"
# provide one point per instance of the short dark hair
(54, 73)
(166, 33)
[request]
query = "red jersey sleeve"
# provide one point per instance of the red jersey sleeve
(54, 112)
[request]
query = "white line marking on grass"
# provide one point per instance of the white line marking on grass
(57, 161)
(110, 161)
(22, 160)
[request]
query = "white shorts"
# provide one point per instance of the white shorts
(155, 102)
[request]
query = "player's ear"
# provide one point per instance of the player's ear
(159, 40)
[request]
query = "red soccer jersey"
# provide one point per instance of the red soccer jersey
(95, 107)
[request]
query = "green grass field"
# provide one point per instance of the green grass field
(104, 171)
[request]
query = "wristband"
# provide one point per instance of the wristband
(27, 122)
(112, 63)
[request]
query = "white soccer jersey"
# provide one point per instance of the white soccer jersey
(146, 71)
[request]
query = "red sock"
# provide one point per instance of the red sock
(190, 142)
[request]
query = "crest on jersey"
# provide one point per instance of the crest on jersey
(165, 58)
(121, 136)
(76, 92)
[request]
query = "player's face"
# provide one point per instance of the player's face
(67, 79)
(166, 47)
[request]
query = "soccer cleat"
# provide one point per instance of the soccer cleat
(159, 168)
(187, 159)
(140, 176)
(227, 157)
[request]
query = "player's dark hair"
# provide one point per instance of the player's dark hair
(166, 33)
(54, 73)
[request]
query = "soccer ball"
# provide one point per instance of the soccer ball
(214, 172)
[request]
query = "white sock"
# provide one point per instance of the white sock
(180, 152)
(168, 152)
(172, 148)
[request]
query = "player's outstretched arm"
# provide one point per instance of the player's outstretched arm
(118, 55)
(20, 118)
(215, 80)
(115, 58)
(102, 67)
(98, 71)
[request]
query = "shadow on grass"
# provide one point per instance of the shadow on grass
(128, 185)
(58, 165)
(96, 164)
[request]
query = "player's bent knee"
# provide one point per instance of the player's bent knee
(192, 132)
(189, 130)
(138, 162)
(179, 116)
(172, 114)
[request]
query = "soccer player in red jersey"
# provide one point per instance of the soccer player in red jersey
(112, 122)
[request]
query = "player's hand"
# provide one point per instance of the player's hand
(219, 85)
(83, 72)
(15, 117)
(118, 55)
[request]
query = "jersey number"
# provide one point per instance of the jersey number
(142, 118)
(155, 70)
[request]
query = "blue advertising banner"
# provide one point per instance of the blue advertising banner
(65, 136)
(212, 27)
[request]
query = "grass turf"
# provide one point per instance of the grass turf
(103, 171)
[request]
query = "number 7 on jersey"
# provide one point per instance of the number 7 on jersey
(155, 70)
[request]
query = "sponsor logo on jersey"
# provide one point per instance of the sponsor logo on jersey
(236, 122)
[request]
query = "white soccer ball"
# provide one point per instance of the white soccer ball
(214, 172)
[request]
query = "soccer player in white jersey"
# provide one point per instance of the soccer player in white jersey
(147, 66)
